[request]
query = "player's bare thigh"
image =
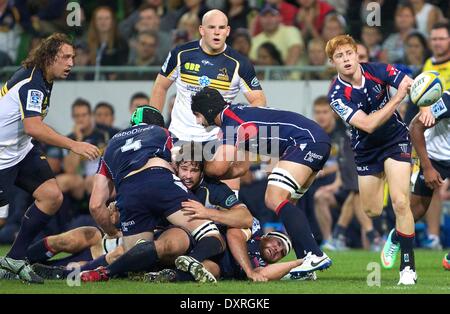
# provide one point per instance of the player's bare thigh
(371, 192)
(130, 241)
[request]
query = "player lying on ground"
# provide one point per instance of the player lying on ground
(250, 254)
(432, 144)
(302, 146)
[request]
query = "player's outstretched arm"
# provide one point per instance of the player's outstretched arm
(278, 270)
(159, 92)
(237, 243)
(101, 192)
(416, 130)
(370, 122)
(37, 129)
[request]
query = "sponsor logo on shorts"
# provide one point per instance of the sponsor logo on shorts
(125, 225)
(310, 156)
(362, 168)
(404, 149)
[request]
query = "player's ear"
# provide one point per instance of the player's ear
(201, 30)
(228, 30)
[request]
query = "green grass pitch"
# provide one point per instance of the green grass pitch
(347, 275)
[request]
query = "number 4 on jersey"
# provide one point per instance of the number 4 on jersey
(131, 145)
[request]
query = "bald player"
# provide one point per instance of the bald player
(197, 64)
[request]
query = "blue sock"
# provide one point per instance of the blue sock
(298, 229)
(33, 222)
(395, 238)
(141, 257)
(206, 247)
(39, 252)
(183, 276)
(101, 261)
(406, 250)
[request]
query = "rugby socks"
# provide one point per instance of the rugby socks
(298, 229)
(395, 238)
(33, 222)
(406, 250)
(183, 276)
(141, 257)
(40, 252)
(101, 261)
(206, 247)
(339, 232)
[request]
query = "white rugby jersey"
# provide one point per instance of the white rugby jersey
(192, 69)
(437, 138)
(25, 95)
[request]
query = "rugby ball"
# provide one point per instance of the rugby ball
(426, 89)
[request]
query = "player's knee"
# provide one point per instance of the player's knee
(401, 205)
(170, 247)
(372, 212)
(51, 197)
(272, 201)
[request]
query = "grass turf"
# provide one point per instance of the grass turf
(347, 275)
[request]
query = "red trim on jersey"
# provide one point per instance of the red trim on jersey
(405, 235)
(348, 92)
(392, 71)
(230, 114)
(277, 210)
(169, 143)
(369, 76)
(103, 170)
(245, 130)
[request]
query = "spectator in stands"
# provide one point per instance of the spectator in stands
(9, 31)
(416, 52)
(104, 118)
(241, 41)
(197, 7)
(371, 37)
(179, 37)
(82, 58)
(333, 26)
(363, 52)
(287, 39)
(240, 15)
(168, 18)
(146, 45)
(269, 55)
(138, 99)
(78, 173)
(318, 57)
(287, 11)
(310, 18)
(149, 21)
(426, 15)
(106, 46)
(190, 23)
(49, 16)
(394, 45)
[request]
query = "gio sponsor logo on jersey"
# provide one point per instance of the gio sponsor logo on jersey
(438, 108)
(34, 100)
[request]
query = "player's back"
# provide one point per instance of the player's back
(270, 127)
(131, 148)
